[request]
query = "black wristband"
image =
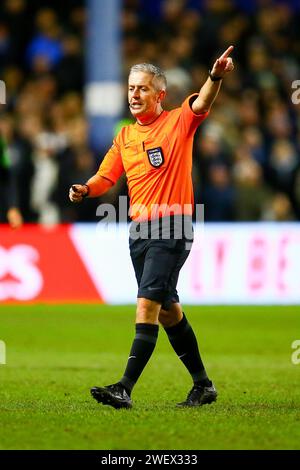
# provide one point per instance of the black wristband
(88, 190)
(214, 79)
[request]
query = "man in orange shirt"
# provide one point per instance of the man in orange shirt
(156, 155)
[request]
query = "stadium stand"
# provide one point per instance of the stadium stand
(247, 154)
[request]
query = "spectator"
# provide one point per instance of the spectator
(20, 155)
(252, 195)
(45, 49)
(218, 195)
(279, 209)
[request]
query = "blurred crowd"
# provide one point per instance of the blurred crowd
(246, 154)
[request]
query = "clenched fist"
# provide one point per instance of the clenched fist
(78, 192)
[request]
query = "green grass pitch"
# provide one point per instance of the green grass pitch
(56, 353)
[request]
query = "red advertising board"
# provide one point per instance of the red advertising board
(42, 264)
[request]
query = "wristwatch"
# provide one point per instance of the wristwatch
(214, 79)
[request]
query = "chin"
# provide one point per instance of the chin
(137, 112)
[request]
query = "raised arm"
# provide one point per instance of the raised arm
(211, 87)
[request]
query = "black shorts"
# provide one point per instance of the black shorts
(157, 263)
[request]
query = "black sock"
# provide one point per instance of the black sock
(184, 342)
(140, 353)
(203, 383)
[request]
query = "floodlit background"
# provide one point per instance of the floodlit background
(246, 165)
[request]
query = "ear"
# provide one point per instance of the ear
(161, 96)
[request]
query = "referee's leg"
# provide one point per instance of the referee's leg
(146, 332)
(184, 342)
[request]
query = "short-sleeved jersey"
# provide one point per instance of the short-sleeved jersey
(157, 160)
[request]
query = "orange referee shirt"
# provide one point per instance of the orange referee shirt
(157, 160)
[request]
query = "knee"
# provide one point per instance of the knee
(165, 319)
(147, 311)
(170, 317)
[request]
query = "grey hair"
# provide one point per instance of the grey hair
(157, 73)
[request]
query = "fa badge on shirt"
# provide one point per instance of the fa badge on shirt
(155, 156)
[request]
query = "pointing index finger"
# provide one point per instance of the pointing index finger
(227, 52)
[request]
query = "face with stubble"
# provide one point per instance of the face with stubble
(144, 96)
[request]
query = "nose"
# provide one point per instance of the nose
(135, 93)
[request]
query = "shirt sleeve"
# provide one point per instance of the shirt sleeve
(190, 120)
(111, 167)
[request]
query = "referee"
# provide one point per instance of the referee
(8, 204)
(156, 155)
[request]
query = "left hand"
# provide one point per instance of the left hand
(223, 64)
